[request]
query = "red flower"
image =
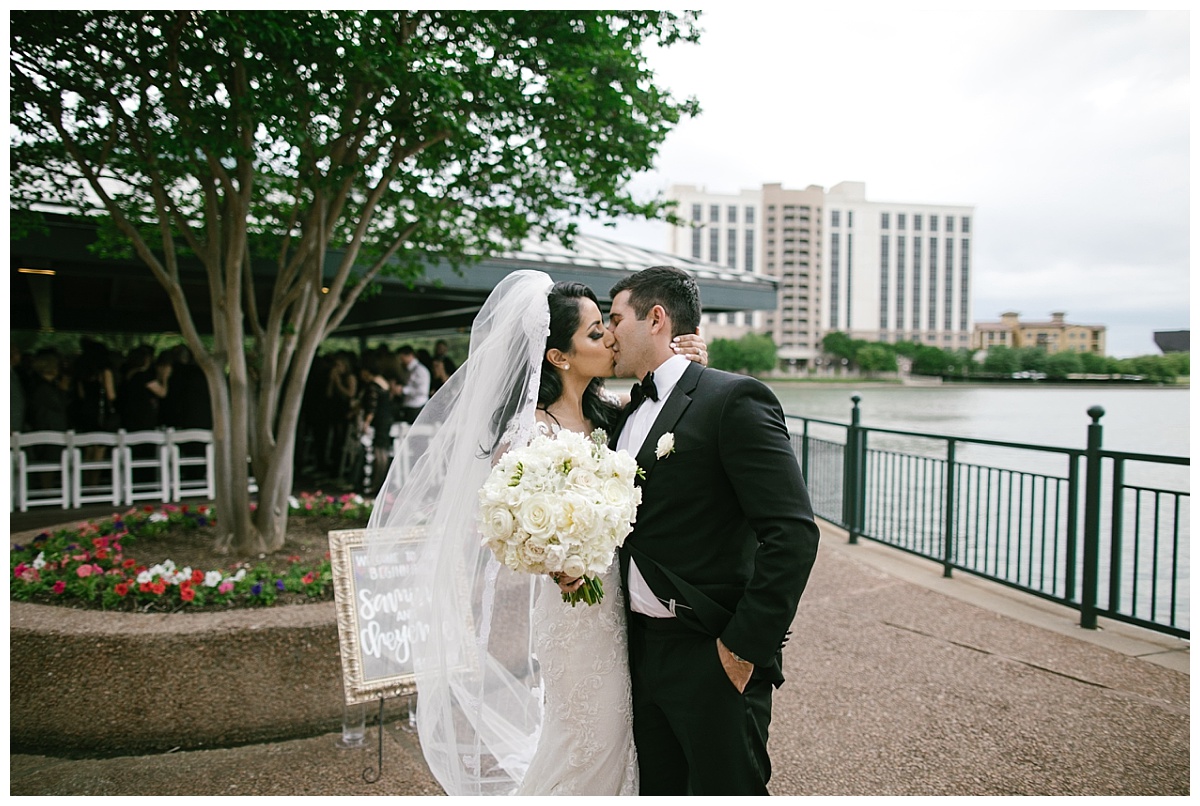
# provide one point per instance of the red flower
(20, 569)
(102, 554)
(120, 589)
(129, 563)
(100, 542)
(308, 578)
(147, 508)
(183, 508)
(197, 576)
(59, 586)
(186, 593)
(158, 586)
(295, 558)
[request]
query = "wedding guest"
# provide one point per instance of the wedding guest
(139, 392)
(414, 393)
(95, 395)
(378, 374)
(16, 391)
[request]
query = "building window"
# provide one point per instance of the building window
(749, 247)
(964, 270)
(966, 225)
(900, 279)
(749, 214)
(714, 213)
(849, 221)
(948, 291)
(731, 214)
(949, 223)
(731, 247)
(835, 218)
(884, 221)
(900, 221)
(714, 240)
(696, 242)
(695, 212)
(883, 280)
(916, 275)
(849, 272)
(917, 222)
(933, 223)
(933, 253)
(835, 249)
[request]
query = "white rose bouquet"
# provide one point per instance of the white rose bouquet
(562, 504)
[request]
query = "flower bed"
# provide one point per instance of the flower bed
(95, 564)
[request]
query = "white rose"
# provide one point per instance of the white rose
(497, 522)
(533, 555)
(615, 491)
(665, 446)
(582, 478)
(537, 514)
(574, 566)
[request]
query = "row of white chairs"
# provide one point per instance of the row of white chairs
(52, 467)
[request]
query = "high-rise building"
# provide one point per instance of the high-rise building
(879, 271)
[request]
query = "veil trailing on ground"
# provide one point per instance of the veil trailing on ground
(478, 688)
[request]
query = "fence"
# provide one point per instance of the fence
(1084, 536)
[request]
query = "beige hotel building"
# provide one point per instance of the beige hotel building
(880, 271)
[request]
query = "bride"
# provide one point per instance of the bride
(517, 691)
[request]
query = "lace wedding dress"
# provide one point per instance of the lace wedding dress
(586, 742)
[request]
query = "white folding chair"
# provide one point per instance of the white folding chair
(182, 487)
(141, 488)
(107, 467)
(56, 463)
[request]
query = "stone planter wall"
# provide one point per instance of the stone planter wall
(84, 681)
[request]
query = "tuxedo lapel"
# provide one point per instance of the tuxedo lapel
(673, 409)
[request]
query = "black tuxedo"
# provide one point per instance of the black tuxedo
(725, 528)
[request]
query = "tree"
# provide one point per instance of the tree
(875, 358)
(931, 361)
(1062, 364)
(1032, 358)
(752, 353)
(840, 345)
(1001, 360)
(385, 139)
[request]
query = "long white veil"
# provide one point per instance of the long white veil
(478, 686)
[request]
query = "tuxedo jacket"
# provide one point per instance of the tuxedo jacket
(725, 525)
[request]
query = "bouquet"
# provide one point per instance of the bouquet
(562, 504)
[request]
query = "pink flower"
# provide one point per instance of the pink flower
(225, 587)
(19, 571)
(308, 578)
(84, 571)
(59, 586)
(30, 575)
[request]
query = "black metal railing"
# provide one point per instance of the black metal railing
(1065, 524)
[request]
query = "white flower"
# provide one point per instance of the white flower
(159, 517)
(497, 522)
(665, 446)
(39, 562)
(212, 579)
(537, 514)
(574, 567)
(145, 577)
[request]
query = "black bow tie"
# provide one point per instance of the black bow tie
(643, 390)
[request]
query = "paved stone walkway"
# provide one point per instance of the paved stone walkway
(899, 683)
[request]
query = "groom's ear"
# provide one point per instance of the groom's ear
(659, 321)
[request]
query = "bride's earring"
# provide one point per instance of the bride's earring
(566, 367)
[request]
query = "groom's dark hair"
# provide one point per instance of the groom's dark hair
(672, 288)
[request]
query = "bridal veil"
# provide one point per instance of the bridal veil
(478, 685)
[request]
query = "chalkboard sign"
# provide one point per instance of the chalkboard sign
(375, 628)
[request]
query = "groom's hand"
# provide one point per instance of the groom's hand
(737, 670)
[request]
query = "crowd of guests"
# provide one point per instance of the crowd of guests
(99, 389)
(352, 401)
(350, 405)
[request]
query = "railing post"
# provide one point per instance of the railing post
(1091, 522)
(951, 506)
(851, 475)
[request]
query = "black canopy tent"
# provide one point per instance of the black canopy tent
(57, 282)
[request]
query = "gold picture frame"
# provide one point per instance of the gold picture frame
(365, 632)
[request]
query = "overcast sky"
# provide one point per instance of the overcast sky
(1067, 130)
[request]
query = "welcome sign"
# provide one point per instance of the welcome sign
(376, 628)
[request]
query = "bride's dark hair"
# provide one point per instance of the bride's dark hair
(564, 321)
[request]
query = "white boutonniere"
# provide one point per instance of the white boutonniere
(665, 446)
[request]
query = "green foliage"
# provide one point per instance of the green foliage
(875, 358)
(840, 345)
(1032, 358)
(469, 127)
(932, 361)
(1002, 361)
(1058, 366)
(752, 353)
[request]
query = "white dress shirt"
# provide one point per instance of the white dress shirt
(415, 392)
(641, 598)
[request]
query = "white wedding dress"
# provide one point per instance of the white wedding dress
(586, 742)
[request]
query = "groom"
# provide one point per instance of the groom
(721, 551)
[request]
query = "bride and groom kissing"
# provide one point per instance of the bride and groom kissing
(665, 685)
